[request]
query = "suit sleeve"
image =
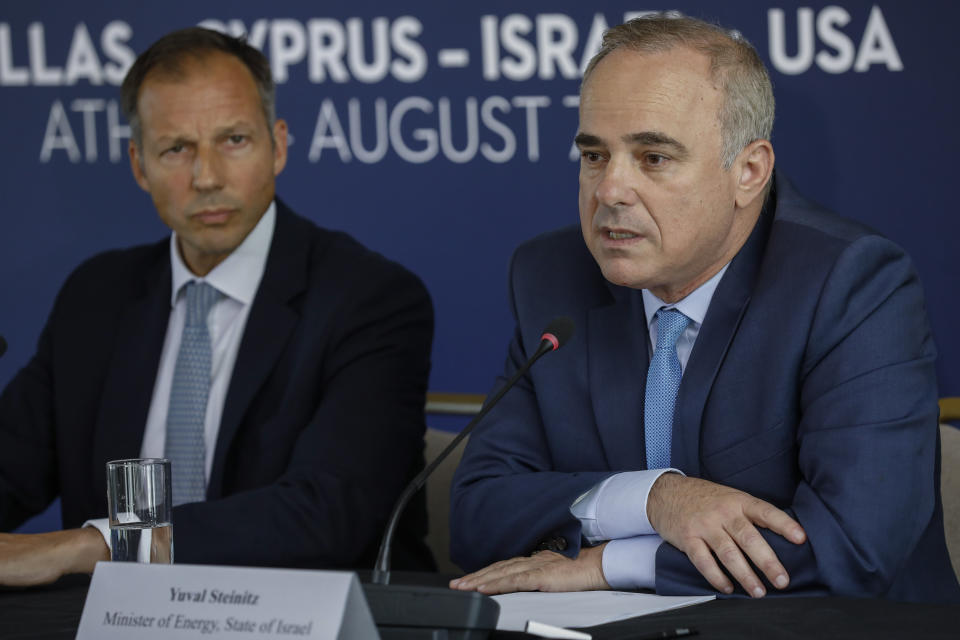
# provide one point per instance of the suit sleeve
(350, 462)
(507, 499)
(867, 435)
(32, 470)
(28, 461)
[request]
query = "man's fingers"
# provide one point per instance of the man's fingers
(471, 580)
(766, 515)
(501, 577)
(732, 543)
(526, 578)
(731, 555)
(497, 572)
(705, 519)
(545, 571)
(760, 553)
(704, 561)
(774, 519)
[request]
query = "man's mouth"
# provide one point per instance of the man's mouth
(212, 216)
(620, 235)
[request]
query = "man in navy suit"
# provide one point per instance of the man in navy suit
(749, 405)
(318, 351)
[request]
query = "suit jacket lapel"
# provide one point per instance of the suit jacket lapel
(617, 366)
(716, 333)
(269, 326)
(128, 388)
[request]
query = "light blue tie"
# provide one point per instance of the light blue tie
(663, 380)
(188, 398)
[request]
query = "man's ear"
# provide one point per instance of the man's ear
(754, 166)
(136, 165)
(279, 146)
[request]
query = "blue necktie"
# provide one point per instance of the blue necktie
(188, 398)
(663, 380)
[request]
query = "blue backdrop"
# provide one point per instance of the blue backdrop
(440, 134)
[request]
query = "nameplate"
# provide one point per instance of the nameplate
(131, 600)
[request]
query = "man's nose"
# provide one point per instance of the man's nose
(207, 169)
(617, 185)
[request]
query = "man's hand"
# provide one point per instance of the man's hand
(543, 571)
(702, 518)
(40, 558)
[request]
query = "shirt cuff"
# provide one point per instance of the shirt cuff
(631, 563)
(616, 508)
(103, 526)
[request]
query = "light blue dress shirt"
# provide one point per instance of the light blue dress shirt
(616, 509)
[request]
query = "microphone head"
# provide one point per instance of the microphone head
(558, 331)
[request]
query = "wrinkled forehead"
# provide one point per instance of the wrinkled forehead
(215, 94)
(668, 90)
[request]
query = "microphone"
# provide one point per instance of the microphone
(432, 608)
(554, 336)
(3, 346)
(557, 333)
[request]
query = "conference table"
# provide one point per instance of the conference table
(53, 613)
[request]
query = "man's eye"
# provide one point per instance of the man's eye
(655, 159)
(237, 138)
(176, 148)
(591, 156)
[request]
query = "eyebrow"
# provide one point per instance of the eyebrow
(220, 132)
(650, 138)
(233, 127)
(168, 139)
(657, 139)
(587, 140)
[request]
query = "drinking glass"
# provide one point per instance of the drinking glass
(140, 501)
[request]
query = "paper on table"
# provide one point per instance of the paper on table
(583, 608)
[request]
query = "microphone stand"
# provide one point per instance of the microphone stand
(413, 612)
(381, 571)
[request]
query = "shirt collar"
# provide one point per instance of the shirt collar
(238, 276)
(694, 306)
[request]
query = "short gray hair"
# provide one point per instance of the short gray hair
(748, 106)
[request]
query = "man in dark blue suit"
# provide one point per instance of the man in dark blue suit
(317, 351)
(750, 403)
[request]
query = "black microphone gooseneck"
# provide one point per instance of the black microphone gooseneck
(408, 612)
(3, 346)
(554, 336)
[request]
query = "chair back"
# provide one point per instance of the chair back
(438, 484)
(438, 498)
(950, 490)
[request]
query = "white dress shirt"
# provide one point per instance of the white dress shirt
(616, 509)
(237, 278)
